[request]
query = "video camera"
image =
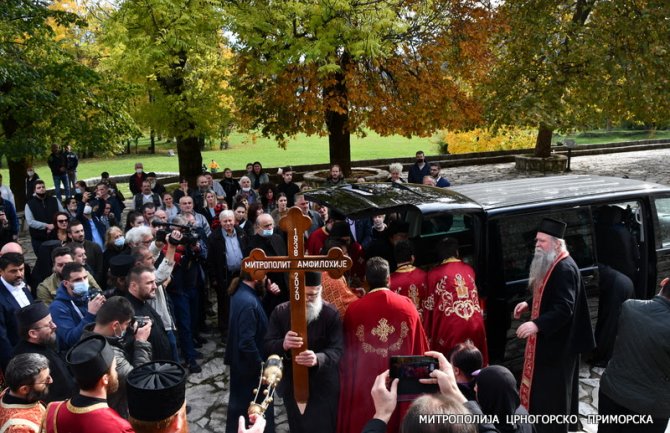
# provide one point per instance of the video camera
(188, 235)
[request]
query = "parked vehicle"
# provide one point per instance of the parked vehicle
(623, 223)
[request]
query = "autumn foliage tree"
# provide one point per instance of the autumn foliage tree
(561, 65)
(174, 53)
(47, 94)
(333, 68)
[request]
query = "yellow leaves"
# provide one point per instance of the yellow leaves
(484, 140)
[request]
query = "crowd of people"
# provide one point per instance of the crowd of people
(107, 324)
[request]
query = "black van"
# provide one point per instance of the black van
(623, 223)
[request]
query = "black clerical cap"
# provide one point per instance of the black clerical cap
(121, 264)
(90, 358)
(312, 279)
(156, 390)
(31, 313)
(340, 229)
(553, 227)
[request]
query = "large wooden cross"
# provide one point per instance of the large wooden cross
(295, 224)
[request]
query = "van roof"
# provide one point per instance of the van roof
(368, 199)
(544, 190)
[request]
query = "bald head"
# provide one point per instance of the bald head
(11, 247)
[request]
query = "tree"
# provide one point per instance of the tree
(46, 94)
(561, 65)
(336, 67)
(175, 53)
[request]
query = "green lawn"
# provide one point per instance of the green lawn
(302, 150)
(243, 149)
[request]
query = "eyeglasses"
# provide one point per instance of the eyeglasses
(61, 221)
(51, 324)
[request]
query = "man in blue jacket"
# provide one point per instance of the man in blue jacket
(246, 331)
(72, 309)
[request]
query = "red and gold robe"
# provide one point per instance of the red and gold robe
(379, 325)
(20, 418)
(410, 281)
(62, 416)
(452, 313)
(337, 292)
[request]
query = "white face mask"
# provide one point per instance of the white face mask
(139, 170)
(30, 172)
(88, 209)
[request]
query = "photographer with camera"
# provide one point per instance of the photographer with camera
(184, 289)
(74, 307)
(128, 336)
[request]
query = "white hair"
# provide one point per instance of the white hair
(136, 235)
(226, 214)
(396, 167)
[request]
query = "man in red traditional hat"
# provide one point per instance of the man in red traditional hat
(379, 325)
(559, 328)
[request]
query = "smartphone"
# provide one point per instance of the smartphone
(409, 369)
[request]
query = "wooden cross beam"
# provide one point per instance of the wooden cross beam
(295, 224)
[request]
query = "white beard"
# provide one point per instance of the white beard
(539, 267)
(314, 309)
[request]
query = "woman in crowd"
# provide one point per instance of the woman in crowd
(70, 205)
(258, 177)
(115, 244)
(282, 208)
(60, 221)
(134, 219)
(253, 211)
(209, 210)
(395, 171)
(268, 194)
(246, 192)
(182, 190)
(498, 394)
(169, 206)
(230, 186)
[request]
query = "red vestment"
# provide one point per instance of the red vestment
(379, 325)
(452, 313)
(410, 281)
(337, 292)
(62, 416)
(20, 418)
(316, 241)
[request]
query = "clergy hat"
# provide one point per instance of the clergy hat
(312, 279)
(121, 264)
(90, 359)
(552, 227)
(156, 390)
(31, 313)
(340, 229)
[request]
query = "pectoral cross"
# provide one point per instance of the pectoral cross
(295, 224)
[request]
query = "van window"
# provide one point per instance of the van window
(438, 226)
(663, 212)
(517, 239)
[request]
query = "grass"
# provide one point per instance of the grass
(244, 148)
(301, 150)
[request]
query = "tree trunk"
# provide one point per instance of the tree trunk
(152, 142)
(190, 158)
(543, 143)
(337, 121)
(17, 180)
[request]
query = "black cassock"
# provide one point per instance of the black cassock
(564, 332)
(324, 338)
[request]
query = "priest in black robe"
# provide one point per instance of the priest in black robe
(325, 347)
(559, 328)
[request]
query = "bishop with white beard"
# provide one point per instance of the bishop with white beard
(559, 328)
(324, 337)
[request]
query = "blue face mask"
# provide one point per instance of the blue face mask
(77, 190)
(266, 233)
(119, 242)
(80, 289)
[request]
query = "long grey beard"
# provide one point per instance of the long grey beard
(314, 309)
(539, 267)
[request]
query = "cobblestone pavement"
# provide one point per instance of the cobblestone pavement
(207, 392)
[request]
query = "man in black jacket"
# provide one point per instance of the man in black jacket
(419, 170)
(58, 164)
(38, 335)
(225, 248)
(39, 213)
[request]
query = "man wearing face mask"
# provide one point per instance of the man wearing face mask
(273, 245)
(73, 308)
(77, 233)
(419, 169)
(115, 321)
(136, 179)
